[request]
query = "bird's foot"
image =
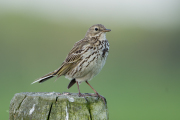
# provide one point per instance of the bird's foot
(103, 98)
(81, 95)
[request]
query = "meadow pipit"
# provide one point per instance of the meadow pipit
(85, 60)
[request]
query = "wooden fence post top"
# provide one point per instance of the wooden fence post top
(56, 106)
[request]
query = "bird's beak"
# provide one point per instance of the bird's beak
(106, 30)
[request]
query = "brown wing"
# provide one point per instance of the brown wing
(73, 57)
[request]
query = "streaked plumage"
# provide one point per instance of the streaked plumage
(86, 58)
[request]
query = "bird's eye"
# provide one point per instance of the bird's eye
(96, 29)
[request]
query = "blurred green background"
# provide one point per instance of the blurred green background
(141, 77)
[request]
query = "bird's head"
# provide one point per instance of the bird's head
(97, 30)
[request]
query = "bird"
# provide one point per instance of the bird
(85, 60)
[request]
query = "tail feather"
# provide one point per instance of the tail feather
(60, 71)
(73, 81)
(45, 77)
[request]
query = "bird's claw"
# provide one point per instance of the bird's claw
(81, 95)
(103, 98)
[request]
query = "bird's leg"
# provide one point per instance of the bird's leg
(80, 94)
(78, 89)
(97, 93)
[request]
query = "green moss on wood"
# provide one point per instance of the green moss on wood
(56, 106)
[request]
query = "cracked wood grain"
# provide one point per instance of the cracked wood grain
(57, 106)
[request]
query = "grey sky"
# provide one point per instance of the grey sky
(140, 12)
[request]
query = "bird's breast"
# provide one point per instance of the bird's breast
(93, 60)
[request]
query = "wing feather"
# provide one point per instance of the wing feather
(74, 57)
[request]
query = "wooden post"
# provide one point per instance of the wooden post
(56, 106)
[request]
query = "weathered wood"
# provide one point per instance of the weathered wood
(56, 106)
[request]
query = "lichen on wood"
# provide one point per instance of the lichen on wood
(56, 106)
